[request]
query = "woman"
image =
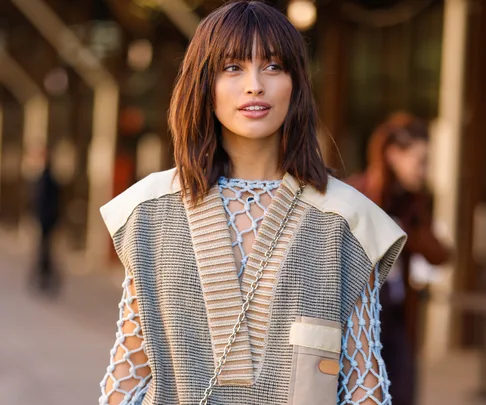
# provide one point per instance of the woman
(395, 180)
(252, 275)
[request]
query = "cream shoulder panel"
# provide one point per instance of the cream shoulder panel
(372, 227)
(116, 212)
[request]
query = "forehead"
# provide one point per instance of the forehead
(420, 145)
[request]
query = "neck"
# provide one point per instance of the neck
(253, 159)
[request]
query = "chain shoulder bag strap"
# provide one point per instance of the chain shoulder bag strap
(249, 298)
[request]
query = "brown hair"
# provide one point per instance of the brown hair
(229, 32)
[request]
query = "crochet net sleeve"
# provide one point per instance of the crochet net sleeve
(363, 378)
(128, 375)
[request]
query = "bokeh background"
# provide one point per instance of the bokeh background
(88, 82)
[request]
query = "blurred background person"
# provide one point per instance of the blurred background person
(395, 180)
(46, 195)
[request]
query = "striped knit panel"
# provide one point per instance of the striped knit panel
(157, 247)
(220, 285)
(260, 310)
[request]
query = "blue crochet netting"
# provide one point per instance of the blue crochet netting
(363, 378)
(245, 194)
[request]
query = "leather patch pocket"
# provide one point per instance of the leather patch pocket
(315, 362)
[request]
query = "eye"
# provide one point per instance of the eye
(231, 68)
(274, 67)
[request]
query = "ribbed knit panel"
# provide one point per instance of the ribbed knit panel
(259, 313)
(220, 284)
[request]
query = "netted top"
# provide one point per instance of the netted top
(245, 203)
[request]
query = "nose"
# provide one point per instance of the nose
(254, 85)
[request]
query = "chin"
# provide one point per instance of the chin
(255, 133)
(255, 136)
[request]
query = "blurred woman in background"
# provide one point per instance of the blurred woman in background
(395, 180)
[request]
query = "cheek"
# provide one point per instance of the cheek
(400, 164)
(283, 95)
(222, 105)
(219, 96)
(413, 171)
(409, 166)
(286, 91)
(225, 93)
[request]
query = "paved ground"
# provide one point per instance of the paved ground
(452, 381)
(54, 352)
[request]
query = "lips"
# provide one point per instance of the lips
(254, 105)
(255, 109)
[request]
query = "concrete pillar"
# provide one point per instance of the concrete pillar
(35, 124)
(101, 157)
(446, 144)
(36, 121)
(36, 110)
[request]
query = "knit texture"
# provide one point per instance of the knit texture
(321, 272)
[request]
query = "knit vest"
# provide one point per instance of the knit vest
(189, 295)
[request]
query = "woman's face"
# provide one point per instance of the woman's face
(252, 97)
(410, 164)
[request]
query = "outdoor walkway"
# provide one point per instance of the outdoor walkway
(53, 352)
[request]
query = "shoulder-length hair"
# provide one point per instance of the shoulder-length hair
(230, 32)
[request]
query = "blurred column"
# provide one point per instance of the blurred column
(36, 112)
(101, 158)
(101, 152)
(36, 121)
(334, 59)
(181, 15)
(446, 145)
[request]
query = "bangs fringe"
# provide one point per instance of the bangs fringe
(243, 27)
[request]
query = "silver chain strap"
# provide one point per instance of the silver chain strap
(249, 298)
